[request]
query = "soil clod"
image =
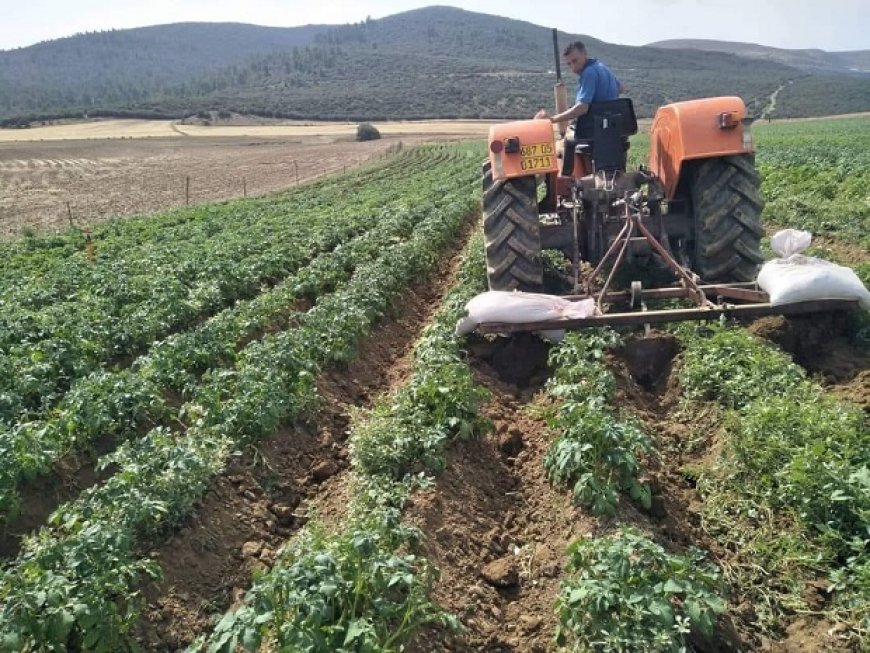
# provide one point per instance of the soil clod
(501, 573)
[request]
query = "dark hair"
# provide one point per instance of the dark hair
(574, 45)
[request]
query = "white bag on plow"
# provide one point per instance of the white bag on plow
(799, 278)
(521, 308)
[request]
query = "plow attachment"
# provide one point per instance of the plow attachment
(712, 301)
(748, 309)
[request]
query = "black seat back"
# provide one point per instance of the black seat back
(584, 127)
(604, 130)
(609, 146)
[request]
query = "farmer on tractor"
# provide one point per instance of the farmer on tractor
(597, 83)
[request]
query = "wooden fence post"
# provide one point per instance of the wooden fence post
(187, 191)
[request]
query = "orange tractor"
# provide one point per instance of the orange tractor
(696, 210)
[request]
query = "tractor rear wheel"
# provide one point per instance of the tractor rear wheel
(726, 207)
(511, 232)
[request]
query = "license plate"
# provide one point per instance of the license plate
(536, 156)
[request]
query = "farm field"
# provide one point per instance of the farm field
(97, 170)
(251, 426)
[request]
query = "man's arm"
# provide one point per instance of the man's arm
(573, 113)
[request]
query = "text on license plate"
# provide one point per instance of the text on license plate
(536, 156)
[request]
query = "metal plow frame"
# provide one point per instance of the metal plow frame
(733, 300)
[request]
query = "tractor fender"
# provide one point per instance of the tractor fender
(696, 129)
(522, 148)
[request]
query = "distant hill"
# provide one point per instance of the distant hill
(815, 61)
(437, 62)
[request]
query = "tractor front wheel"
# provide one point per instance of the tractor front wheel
(726, 207)
(512, 235)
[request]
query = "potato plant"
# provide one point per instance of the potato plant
(365, 588)
(624, 592)
(127, 402)
(790, 489)
(162, 475)
(595, 454)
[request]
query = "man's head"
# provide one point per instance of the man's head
(575, 56)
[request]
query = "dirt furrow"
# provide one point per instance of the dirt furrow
(493, 524)
(269, 492)
(821, 345)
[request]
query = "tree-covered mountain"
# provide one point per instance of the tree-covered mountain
(427, 63)
(811, 60)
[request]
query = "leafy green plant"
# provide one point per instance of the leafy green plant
(790, 487)
(810, 458)
(162, 475)
(734, 368)
(626, 593)
(363, 589)
(595, 453)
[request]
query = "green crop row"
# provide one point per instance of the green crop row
(142, 236)
(72, 584)
(128, 302)
(790, 490)
(595, 453)
(624, 592)
(365, 588)
(121, 404)
(816, 176)
(621, 592)
(125, 301)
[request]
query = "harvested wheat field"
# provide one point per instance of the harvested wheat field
(91, 171)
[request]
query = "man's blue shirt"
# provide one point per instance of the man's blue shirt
(597, 83)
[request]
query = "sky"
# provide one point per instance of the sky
(825, 24)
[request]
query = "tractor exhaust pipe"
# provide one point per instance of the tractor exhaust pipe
(559, 90)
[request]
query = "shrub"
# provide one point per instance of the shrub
(366, 131)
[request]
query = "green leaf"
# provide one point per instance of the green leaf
(355, 629)
(672, 586)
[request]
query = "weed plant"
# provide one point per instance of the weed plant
(790, 490)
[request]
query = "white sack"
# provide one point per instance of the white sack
(789, 242)
(799, 278)
(521, 308)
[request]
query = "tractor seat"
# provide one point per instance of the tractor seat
(602, 133)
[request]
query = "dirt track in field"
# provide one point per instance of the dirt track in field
(494, 525)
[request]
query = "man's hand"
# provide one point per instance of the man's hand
(542, 114)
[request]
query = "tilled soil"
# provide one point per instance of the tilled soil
(267, 493)
(48, 184)
(498, 530)
(494, 525)
(820, 344)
